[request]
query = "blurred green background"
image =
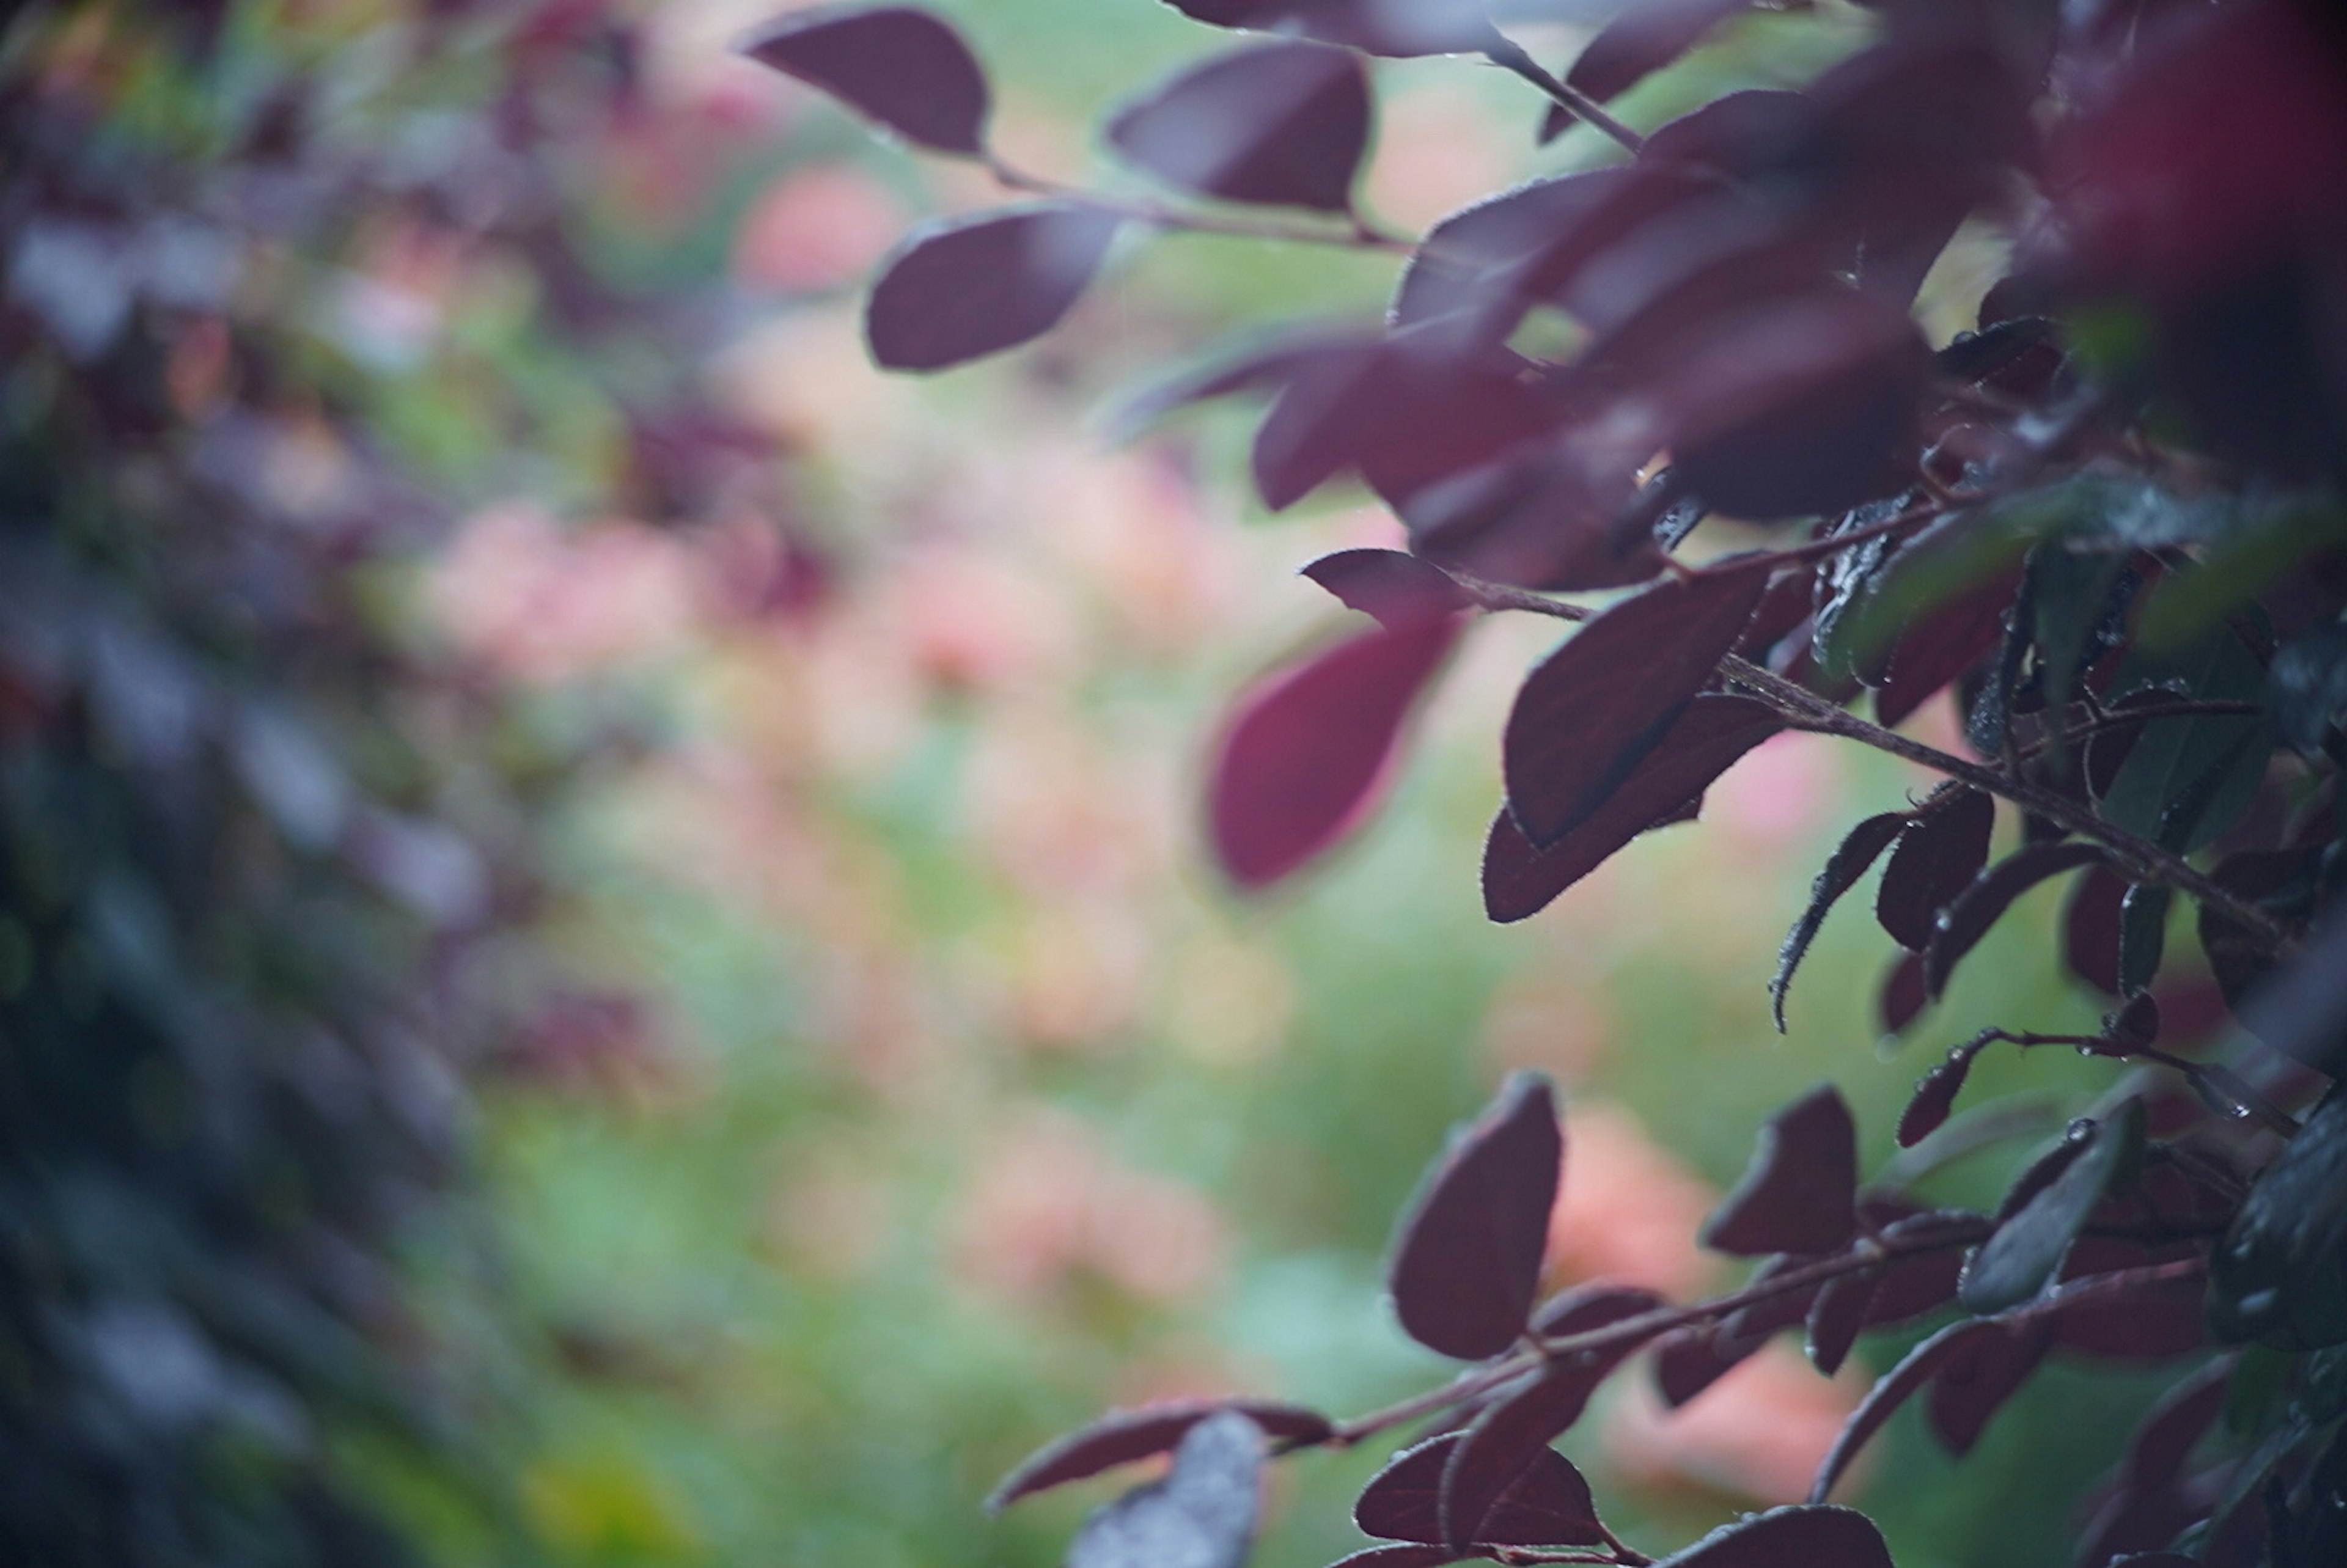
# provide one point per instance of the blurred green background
(881, 1084)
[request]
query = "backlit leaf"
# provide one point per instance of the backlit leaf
(908, 69)
(1202, 1515)
(1466, 1260)
(1303, 756)
(965, 288)
(1400, 590)
(1707, 740)
(1282, 123)
(1597, 707)
(1848, 862)
(1799, 1193)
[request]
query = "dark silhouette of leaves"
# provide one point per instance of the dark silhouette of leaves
(1704, 742)
(1467, 1259)
(1509, 1442)
(1400, 590)
(1644, 39)
(1375, 27)
(1597, 707)
(908, 69)
(2015, 1262)
(1975, 1381)
(1801, 1536)
(1128, 1435)
(965, 288)
(1977, 908)
(1935, 1094)
(1937, 858)
(1202, 1515)
(1800, 1193)
(1893, 1389)
(1545, 1503)
(2281, 1270)
(1856, 852)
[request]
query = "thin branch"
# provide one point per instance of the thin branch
(1508, 56)
(1359, 236)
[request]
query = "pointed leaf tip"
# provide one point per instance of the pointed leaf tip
(1799, 1195)
(1306, 752)
(1283, 123)
(965, 288)
(1466, 1260)
(904, 68)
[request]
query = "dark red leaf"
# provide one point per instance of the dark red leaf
(1893, 1390)
(1848, 863)
(1707, 740)
(1924, 1281)
(965, 288)
(1937, 858)
(1903, 996)
(1644, 39)
(1943, 645)
(1408, 414)
(1202, 1514)
(1842, 1307)
(1976, 1382)
(1546, 1503)
(1692, 1360)
(1264, 363)
(1508, 1442)
(2016, 1261)
(1129, 1435)
(1597, 706)
(1400, 590)
(1784, 606)
(1283, 123)
(1462, 259)
(1303, 756)
(1976, 908)
(1801, 1536)
(2154, 1322)
(906, 69)
(1587, 1307)
(1541, 515)
(1467, 1258)
(2090, 928)
(1374, 27)
(1751, 1326)
(1800, 1193)
(1935, 1094)
(2165, 1438)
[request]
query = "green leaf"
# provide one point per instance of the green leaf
(2188, 779)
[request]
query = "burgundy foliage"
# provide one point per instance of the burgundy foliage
(2106, 530)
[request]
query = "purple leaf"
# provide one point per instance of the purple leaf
(1925, 1281)
(1973, 1383)
(1644, 39)
(1597, 707)
(1802, 1536)
(1395, 28)
(1264, 364)
(1467, 1258)
(1129, 1435)
(1692, 1360)
(1410, 1555)
(965, 288)
(1305, 754)
(1202, 1515)
(1848, 863)
(2090, 928)
(2153, 1322)
(1903, 996)
(1843, 1306)
(2015, 1262)
(1706, 741)
(1541, 514)
(1464, 255)
(906, 69)
(2168, 1431)
(1400, 590)
(1891, 1390)
(1750, 1326)
(1545, 1503)
(1937, 858)
(1976, 908)
(1587, 1307)
(1508, 1444)
(1943, 645)
(1281, 123)
(1935, 1094)
(1800, 1192)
